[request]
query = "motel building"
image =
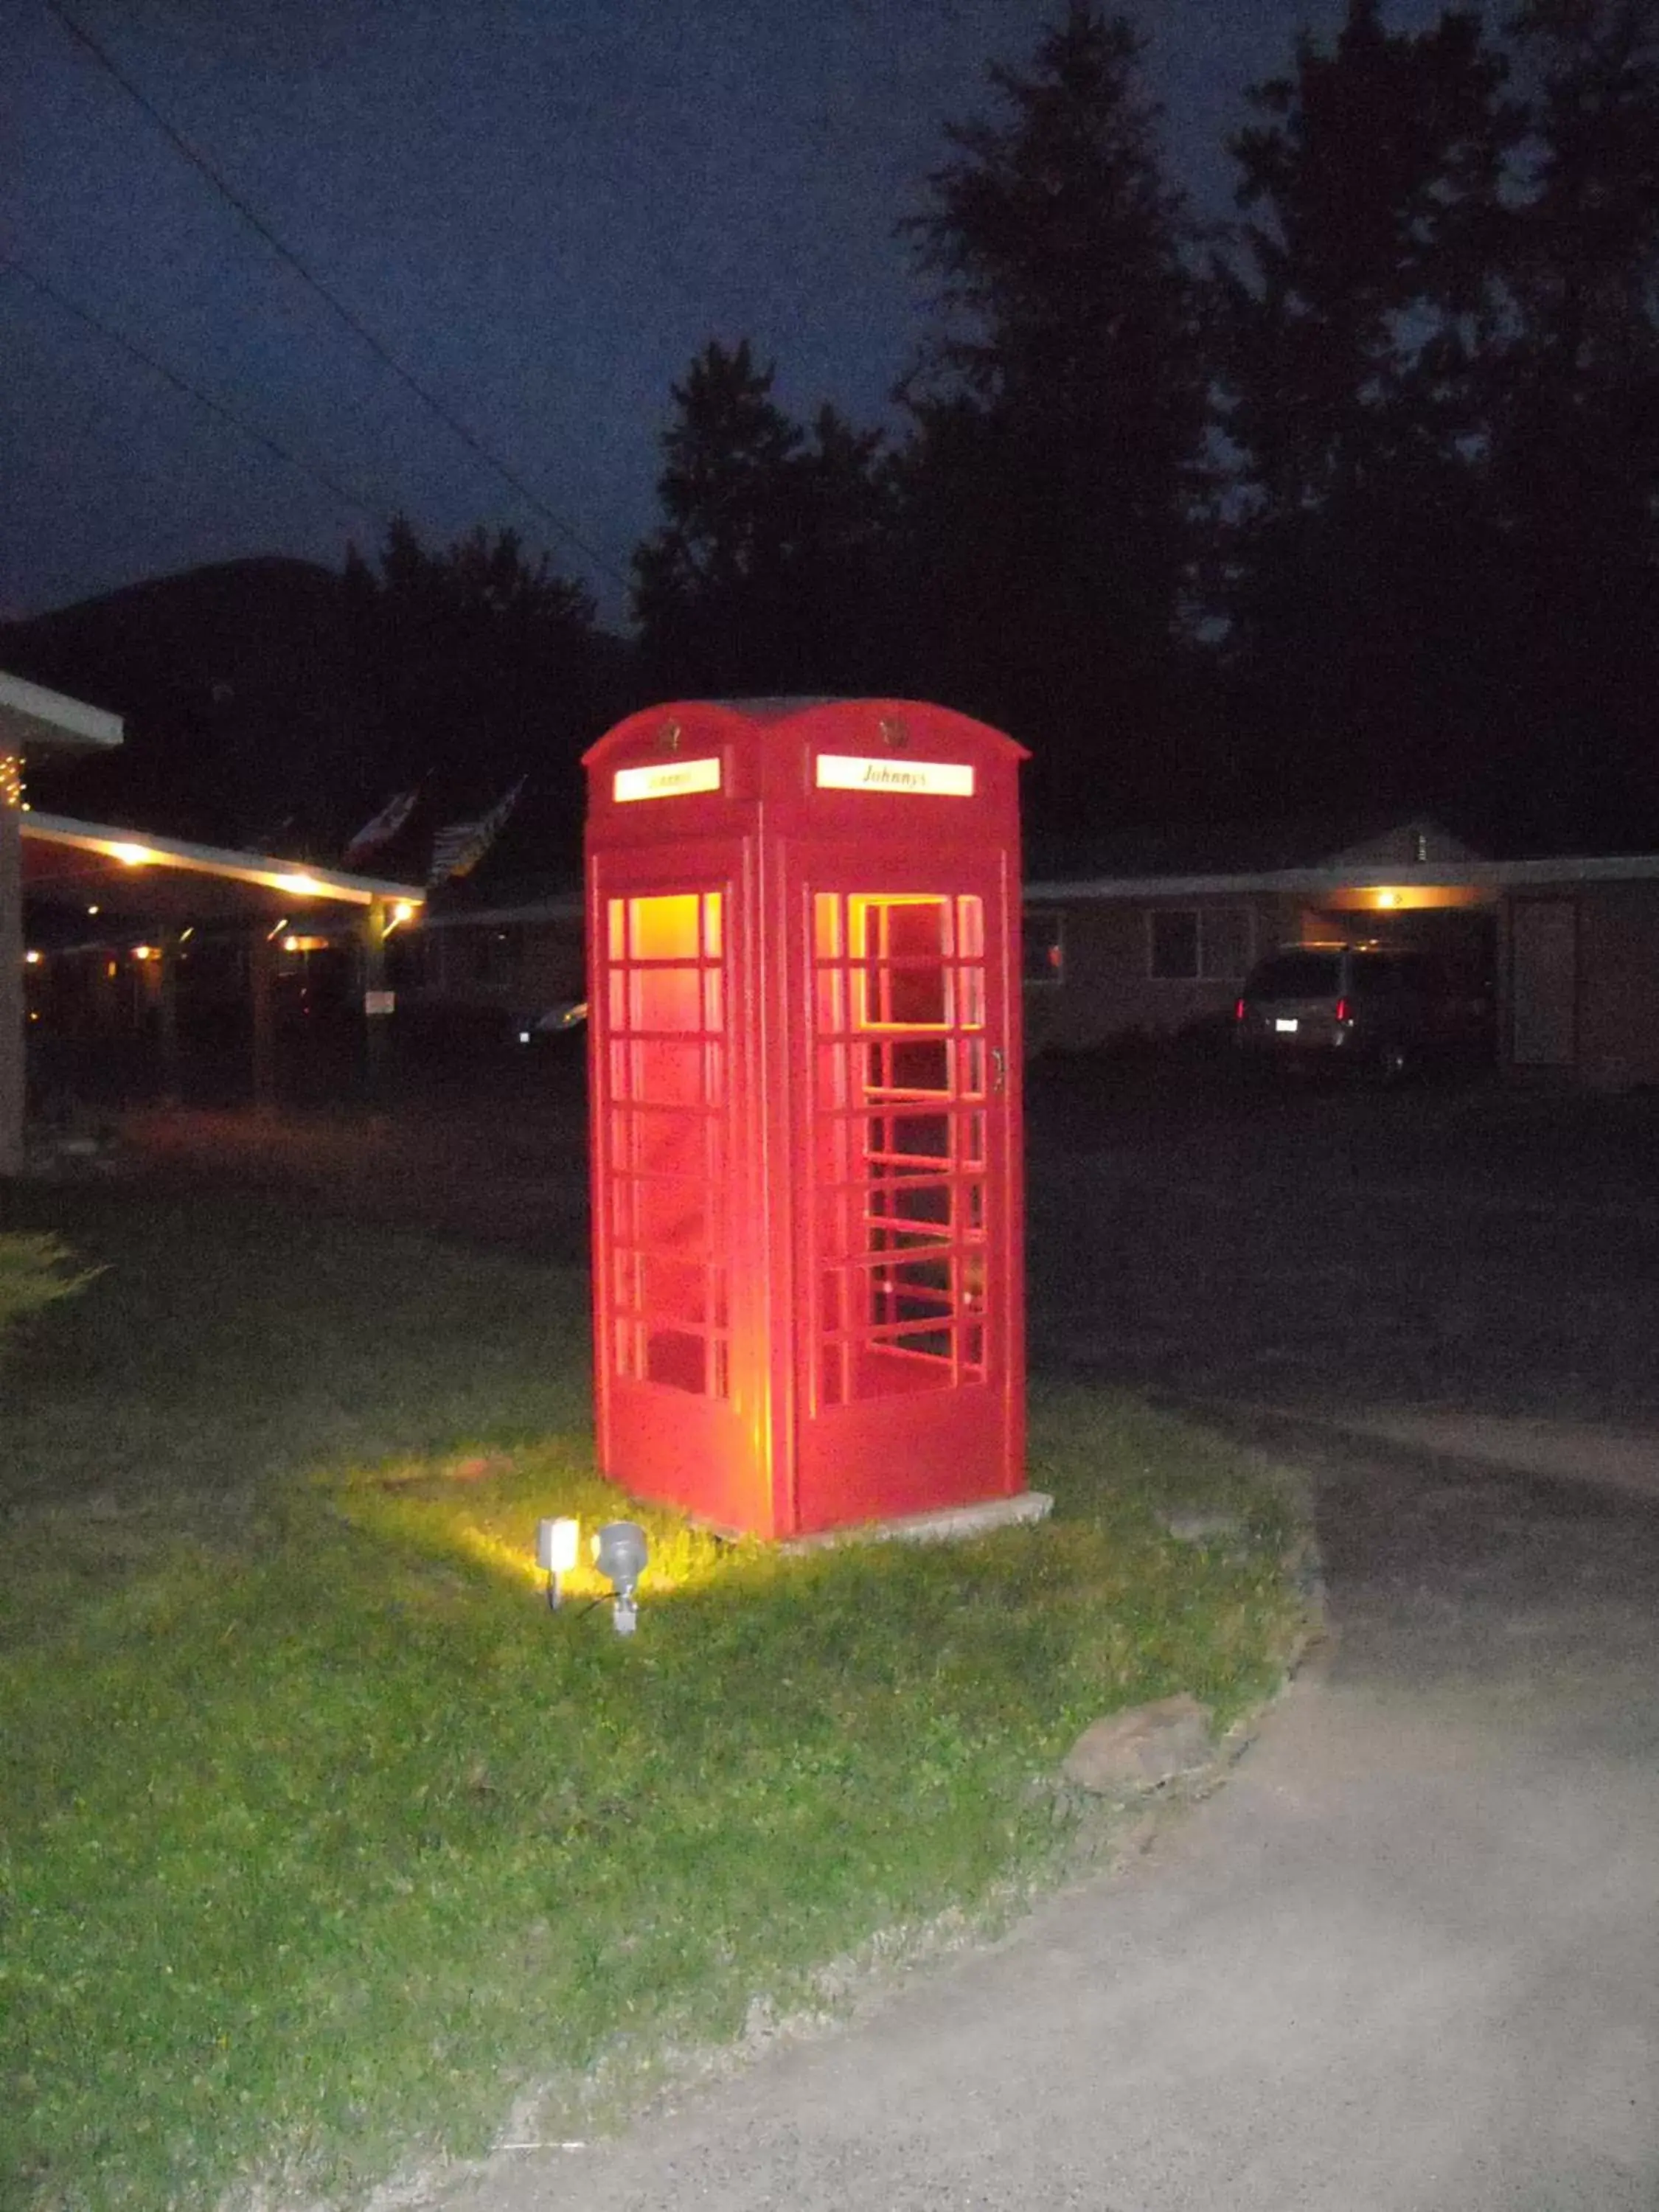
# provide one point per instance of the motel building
(1155, 943)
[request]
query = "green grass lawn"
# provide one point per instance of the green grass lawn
(323, 1843)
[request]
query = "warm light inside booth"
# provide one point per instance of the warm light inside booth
(900, 1100)
(668, 1140)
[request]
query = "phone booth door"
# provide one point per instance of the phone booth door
(671, 1395)
(912, 1220)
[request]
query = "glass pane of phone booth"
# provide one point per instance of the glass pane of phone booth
(668, 1141)
(900, 1210)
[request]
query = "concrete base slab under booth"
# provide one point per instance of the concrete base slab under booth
(953, 1524)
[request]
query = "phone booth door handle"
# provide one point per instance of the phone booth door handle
(998, 1067)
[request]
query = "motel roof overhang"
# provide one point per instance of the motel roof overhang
(1483, 880)
(131, 877)
(34, 720)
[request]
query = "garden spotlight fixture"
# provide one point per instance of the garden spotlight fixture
(557, 1545)
(620, 1553)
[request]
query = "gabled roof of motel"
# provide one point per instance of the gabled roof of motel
(68, 862)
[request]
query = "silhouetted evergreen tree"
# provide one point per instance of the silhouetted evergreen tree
(474, 664)
(1573, 403)
(1354, 317)
(766, 575)
(1059, 417)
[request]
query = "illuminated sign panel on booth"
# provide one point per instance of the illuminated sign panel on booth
(805, 1111)
(667, 779)
(919, 779)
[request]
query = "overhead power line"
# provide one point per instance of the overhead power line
(257, 223)
(180, 383)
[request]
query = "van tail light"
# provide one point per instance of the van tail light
(1342, 1014)
(1238, 1012)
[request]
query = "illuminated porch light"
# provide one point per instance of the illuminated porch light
(31, 958)
(94, 909)
(131, 856)
(620, 1553)
(301, 885)
(1388, 898)
(145, 952)
(558, 1547)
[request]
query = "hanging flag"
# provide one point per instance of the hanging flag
(382, 829)
(458, 849)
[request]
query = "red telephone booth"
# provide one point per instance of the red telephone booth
(803, 929)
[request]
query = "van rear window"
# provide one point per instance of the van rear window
(1296, 975)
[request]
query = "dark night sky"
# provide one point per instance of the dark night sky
(543, 208)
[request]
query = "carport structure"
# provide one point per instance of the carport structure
(136, 885)
(31, 720)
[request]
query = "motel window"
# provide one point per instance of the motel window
(1174, 943)
(1043, 942)
(1187, 943)
(1224, 942)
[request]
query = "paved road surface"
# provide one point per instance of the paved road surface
(1406, 1960)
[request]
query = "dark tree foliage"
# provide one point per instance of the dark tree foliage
(233, 681)
(1573, 404)
(1353, 315)
(1388, 468)
(473, 666)
(1058, 418)
(766, 575)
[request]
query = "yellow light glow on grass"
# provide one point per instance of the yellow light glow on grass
(496, 1554)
